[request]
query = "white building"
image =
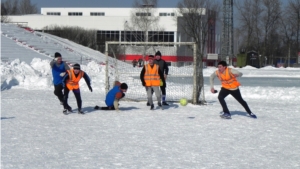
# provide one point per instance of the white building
(111, 24)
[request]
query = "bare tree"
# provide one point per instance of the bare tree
(15, 7)
(25, 7)
(143, 19)
(294, 16)
(249, 17)
(9, 7)
(76, 34)
(194, 18)
(270, 20)
(288, 32)
(260, 19)
(4, 11)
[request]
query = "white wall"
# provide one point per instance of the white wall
(114, 18)
(107, 11)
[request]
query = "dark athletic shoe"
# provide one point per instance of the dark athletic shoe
(160, 106)
(80, 111)
(226, 116)
(65, 111)
(152, 107)
(252, 115)
(165, 104)
(70, 110)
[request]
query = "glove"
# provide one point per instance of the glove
(90, 87)
(62, 74)
(144, 83)
(164, 83)
(55, 59)
(116, 104)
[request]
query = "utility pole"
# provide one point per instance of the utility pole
(227, 32)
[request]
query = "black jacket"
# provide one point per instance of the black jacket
(163, 66)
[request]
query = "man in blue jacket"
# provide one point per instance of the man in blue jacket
(59, 69)
(113, 97)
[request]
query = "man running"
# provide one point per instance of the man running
(59, 69)
(230, 85)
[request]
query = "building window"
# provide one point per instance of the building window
(53, 13)
(143, 14)
(166, 14)
(135, 36)
(154, 36)
(97, 14)
(108, 35)
(75, 13)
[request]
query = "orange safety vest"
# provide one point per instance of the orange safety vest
(73, 81)
(151, 76)
(227, 79)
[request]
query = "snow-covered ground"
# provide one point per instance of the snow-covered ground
(35, 134)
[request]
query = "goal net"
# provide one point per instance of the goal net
(179, 56)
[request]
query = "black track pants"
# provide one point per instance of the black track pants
(234, 93)
(58, 92)
(77, 96)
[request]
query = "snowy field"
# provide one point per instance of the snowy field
(35, 134)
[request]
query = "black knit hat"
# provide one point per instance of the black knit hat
(76, 66)
(57, 55)
(158, 53)
(150, 57)
(124, 86)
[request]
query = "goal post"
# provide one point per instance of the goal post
(182, 76)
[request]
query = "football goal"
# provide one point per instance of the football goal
(181, 81)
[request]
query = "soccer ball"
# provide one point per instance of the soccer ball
(183, 102)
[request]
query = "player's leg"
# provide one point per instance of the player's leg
(149, 96)
(222, 95)
(237, 95)
(163, 96)
(58, 91)
(78, 100)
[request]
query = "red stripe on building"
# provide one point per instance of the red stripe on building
(164, 57)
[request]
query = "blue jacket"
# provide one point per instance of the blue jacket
(56, 71)
(111, 95)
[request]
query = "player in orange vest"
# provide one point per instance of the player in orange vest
(151, 77)
(230, 85)
(71, 82)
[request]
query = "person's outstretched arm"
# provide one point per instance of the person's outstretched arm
(211, 81)
(142, 76)
(236, 73)
(88, 81)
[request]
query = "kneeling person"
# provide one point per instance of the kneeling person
(113, 96)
